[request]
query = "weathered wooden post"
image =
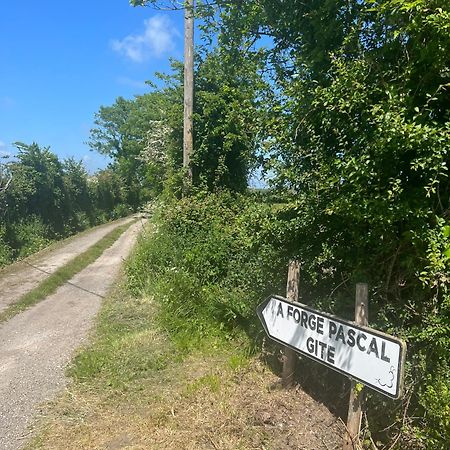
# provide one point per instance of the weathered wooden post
(356, 400)
(372, 357)
(289, 356)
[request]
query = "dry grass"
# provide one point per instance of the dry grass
(132, 389)
(202, 403)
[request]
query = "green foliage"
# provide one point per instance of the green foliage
(435, 400)
(141, 136)
(225, 120)
(144, 136)
(43, 199)
(6, 253)
(37, 186)
(205, 265)
(79, 201)
(30, 236)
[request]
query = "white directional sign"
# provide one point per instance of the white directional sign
(364, 354)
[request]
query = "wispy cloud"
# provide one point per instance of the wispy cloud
(159, 37)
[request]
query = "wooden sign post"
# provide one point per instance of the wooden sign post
(368, 356)
(356, 401)
(289, 355)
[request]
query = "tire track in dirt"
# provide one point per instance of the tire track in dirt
(20, 278)
(36, 345)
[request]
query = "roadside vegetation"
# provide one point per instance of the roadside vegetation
(214, 257)
(43, 199)
(135, 386)
(344, 106)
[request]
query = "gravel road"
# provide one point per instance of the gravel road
(36, 345)
(18, 279)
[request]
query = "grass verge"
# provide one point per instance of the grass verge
(63, 274)
(134, 387)
(169, 369)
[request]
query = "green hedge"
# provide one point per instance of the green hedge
(211, 258)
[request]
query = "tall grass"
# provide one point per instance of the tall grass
(206, 267)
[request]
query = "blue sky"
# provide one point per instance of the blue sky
(59, 62)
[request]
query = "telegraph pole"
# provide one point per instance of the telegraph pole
(188, 126)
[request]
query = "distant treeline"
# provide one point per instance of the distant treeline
(43, 199)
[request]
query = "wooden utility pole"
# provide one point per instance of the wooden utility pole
(188, 127)
(289, 356)
(356, 400)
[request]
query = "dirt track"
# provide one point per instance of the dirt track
(36, 345)
(20, 278)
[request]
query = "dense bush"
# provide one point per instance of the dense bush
(30, 236)
(43, 199)
(206, 263)
(5, 249)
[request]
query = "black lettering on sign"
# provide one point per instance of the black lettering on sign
(323, 347)
(358, 341)
(312, 322)
(310, 345)
(347, 335)
(373, 347)
(320, 325)
(383, 352)
(340, 334)
(330, 354)
(351, 337)
(280, 310)
(320, 350)
(304, 319)
(332, 328)
(289, 311)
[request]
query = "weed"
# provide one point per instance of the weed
(210, 382)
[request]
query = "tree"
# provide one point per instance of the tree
(5, 176)
(358, 139)
(227, 116)
(188, 81)
(128, 131)
(76, 186)
(38, 186)
(5, 182)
